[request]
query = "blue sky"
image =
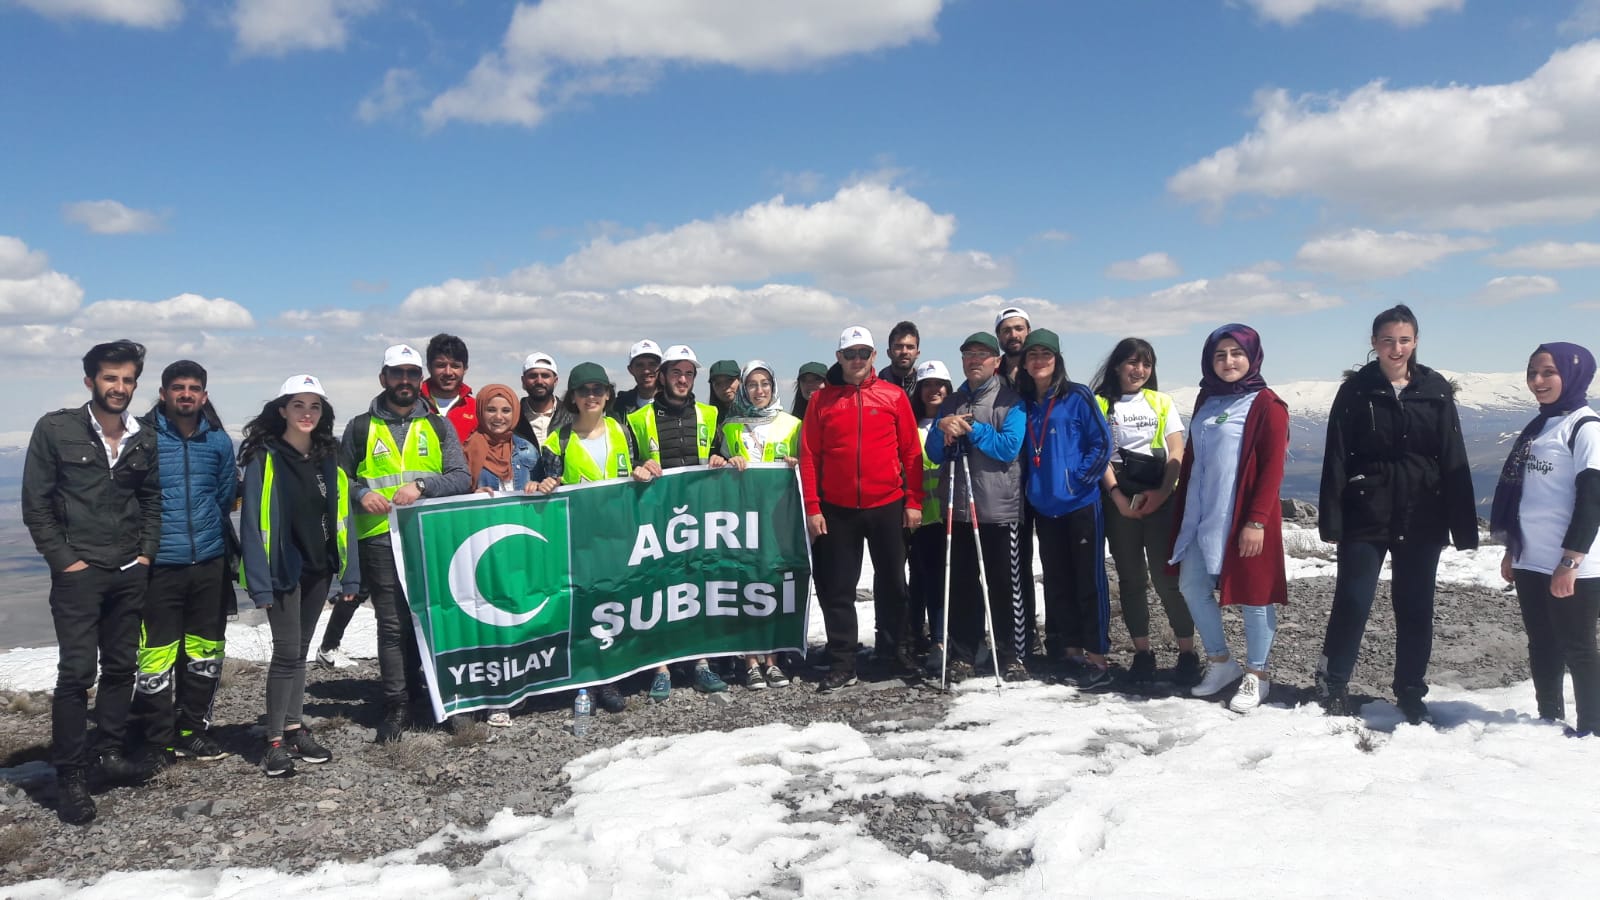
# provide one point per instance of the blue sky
(276, 186)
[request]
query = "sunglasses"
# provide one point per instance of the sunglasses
(856, 354)
(590, 390)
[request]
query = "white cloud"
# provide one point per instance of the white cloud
(1056, 235)
(1361, 253)
(132, 13)
(30, 292)
(1237, 296)
(1549, 255)
(1398, 12)
(1147, 267)
(189, 312)
(1453, 156)
(869, 238)
(111, 217)
(1508, 288)
(1584, 21)
(323, 319)
(276, 27)
(401, 89)
(559, 49)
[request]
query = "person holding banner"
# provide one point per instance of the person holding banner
(399, 452)
(760, 431)
(295, 533)
(672, 432)
(499, 458)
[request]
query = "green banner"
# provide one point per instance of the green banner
(522, 594)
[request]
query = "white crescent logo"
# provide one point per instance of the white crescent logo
(463, 577)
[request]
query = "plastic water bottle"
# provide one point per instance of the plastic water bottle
(582, 710)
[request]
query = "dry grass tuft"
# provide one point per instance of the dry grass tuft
(232, 668)
(16, 841)
(412, 754)
(467, 734)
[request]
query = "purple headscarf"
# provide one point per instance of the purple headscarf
(1250, 343)
(1576, 365)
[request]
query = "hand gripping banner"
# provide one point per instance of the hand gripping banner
(513, 595)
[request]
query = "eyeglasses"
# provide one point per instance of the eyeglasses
(405, 373)
(680, 375)
(590, 390)
(856, 354)
(981, 353)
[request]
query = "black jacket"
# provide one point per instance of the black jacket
(77, 507)
(558, 417)
(1396, 469)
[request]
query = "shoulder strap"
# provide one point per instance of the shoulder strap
(363, 429)
(1572, 439)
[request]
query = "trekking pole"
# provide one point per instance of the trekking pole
(944, 613)
(988, 615)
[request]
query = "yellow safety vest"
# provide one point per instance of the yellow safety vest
(342, 527)
(643, 422)
(783, 438)
(1158, 401)
(578, 466)
(385, 468)
(932, 512)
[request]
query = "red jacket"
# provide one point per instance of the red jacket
(859, 447)
(1259, 580)
(463, 415)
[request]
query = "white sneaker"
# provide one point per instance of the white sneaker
(1252, 693)
(334, 658)
(1218, 676)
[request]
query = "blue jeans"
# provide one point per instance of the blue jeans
(1199, 593)
(1415, 567)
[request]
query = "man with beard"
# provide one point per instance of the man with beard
(91, 499)
(644, 364)
(724, 381)
(905, 345)
(446, 388)
(400, 436)
(541, 412)
(1011, 328)
(185, 599)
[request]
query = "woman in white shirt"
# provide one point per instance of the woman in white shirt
(1547, 512)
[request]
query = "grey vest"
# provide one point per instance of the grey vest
(996, 484)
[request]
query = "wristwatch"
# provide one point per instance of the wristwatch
(1256, 525)
(1568, 562)
(421, 484)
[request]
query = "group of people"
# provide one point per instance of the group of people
(132, 515)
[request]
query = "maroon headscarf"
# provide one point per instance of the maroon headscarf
(1250, 343)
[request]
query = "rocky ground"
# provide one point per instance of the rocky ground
(373, 799)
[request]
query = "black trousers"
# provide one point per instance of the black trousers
(1077, 599)
(293, 617)
(1001, 586)
(180, 652)
(1415, 570)
(399, 662)
(837, 556)
(1561, 638)
(96, 613)
(926, 607)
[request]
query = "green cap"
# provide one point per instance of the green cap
(1042, 337)
(587, 373)
(982, 338)
(727, 367)
(814, 368)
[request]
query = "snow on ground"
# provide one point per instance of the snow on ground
(1479, 567)
(1115, 797)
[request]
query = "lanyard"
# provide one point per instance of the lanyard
(1037, 439)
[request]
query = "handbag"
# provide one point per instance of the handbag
(1139, 472)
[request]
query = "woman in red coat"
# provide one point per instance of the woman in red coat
(1231, 536)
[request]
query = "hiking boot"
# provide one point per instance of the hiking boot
(1218, 676)
(661, 687)
(74, 806)
(277, 763)
(1187, 672)
(393, 726)
(1016, 671)
(836, 680)
(1252, 692)
(1319, 679)
(1411, 706)
(1336, 700)
(1569, 731)
(933, 660)
(959, 670)
(304, 747)
(753, 679)
(334, 658)
(118, 769)
(706, 681)
(775, 677)
(153, 760)
(610, 699)
(1143, 670)
(198, 745)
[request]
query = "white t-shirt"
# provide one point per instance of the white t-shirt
(1133, 425)
(598, 448)
(1549, 490)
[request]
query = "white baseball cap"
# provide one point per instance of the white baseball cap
(1011, 312)
(401, 355)
(303, 384)
(645, 347)
(932, 369)
(679, 353)
(537, 360)
(855, 336)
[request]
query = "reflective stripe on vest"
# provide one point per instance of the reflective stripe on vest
(385, 469)
(783, 438)
(578, 466)
(1157, 402)
(932, 512)
(341, 529)
(643, 422)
